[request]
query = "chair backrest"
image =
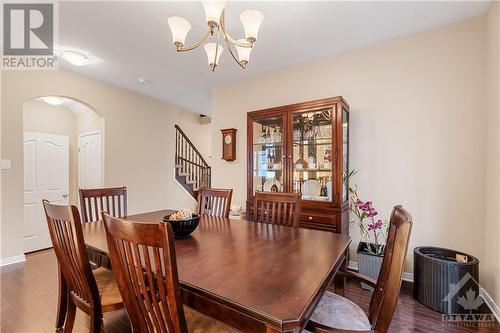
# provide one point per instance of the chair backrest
(214, 202)
(152, 294)
(277, 208)
(111, 200)
(65, 230)
(386, 293)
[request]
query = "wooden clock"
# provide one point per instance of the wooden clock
(229, 144)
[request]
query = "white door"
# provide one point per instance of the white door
(46, 176)
(89, 160)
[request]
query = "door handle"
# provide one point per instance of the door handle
(65, 196)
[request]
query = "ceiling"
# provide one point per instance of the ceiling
(128, 40)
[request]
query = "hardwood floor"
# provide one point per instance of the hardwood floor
(28, 303)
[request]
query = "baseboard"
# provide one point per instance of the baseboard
(491, 304)
(408, 277)
(4, 262)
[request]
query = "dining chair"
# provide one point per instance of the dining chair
(112, 200)
(214, 202)
(152, 294)
(277, 208)
(335, 313)
(94, 292)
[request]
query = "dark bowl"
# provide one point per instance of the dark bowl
(183, 228)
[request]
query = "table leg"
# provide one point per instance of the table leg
(62, 301)
(341, 280)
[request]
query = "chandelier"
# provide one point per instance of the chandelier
(214, 11)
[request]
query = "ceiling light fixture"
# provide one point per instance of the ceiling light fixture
(214, 12)
(53, 100)
(75, 58)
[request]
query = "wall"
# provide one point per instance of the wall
(139, 139)
(416, 127)
(88, 122)
(44, 118)
(491, 263)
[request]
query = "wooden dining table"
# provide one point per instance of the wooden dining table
(255, 277)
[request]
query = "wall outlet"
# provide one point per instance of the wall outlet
(6, 165)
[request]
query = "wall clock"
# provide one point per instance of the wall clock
(228, 144)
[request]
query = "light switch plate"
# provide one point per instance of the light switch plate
(6, 165)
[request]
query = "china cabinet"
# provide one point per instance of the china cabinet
(302, 148)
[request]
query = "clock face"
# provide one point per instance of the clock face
(228, 139)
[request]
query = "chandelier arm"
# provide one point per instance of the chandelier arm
(197, 44)
(232, 53)
(228, 37)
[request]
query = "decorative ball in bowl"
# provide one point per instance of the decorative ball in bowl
(183, 223)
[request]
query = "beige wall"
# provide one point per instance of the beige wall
(88, 121)
(417, 125)
(44, 118)
(139, 143)
(491, 263)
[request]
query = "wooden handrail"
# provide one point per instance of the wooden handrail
(193, 163)
(190, 163)
(191, 144)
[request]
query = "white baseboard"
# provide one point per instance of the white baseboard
(491, 304)
(352, 265)
(12, 260)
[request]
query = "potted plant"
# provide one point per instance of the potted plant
(372, 230)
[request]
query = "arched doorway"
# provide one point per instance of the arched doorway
(62, 146)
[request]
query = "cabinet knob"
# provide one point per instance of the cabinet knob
(310, 218)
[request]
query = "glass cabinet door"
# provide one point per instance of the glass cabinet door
(267, 155)
(312, 158)
(345, 154)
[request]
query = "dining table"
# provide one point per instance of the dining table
(256, 277)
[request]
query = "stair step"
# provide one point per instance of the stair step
(184, 174)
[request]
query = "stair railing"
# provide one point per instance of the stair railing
(190, 162)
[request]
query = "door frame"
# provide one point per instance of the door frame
(80, 135)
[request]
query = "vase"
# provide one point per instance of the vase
(369, 264)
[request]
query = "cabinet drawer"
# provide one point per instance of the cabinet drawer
(318, 218)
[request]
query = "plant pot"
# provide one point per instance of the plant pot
(368, 263)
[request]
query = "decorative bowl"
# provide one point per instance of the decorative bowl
(183, 228)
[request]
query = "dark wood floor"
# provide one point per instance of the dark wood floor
(28, 303)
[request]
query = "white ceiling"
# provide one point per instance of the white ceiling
(127, 40)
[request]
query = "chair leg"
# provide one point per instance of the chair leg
(62, 301)
(339, 281)
(95, 322)
(70, 317)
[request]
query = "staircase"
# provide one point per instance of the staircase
(191, 170)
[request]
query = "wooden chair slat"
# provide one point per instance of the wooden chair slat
(215, 202)
(267, 208)
(109, 200)
(143, 257)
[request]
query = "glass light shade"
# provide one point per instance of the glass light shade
(53, 100)
(243, 52)
(210, 49)
(75, 58)
(251, 20)
(180, 28)
(213, 10)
